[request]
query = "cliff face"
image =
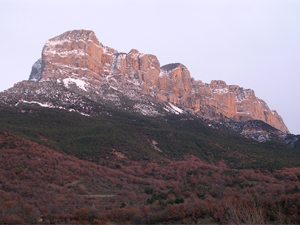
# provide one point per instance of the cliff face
(79, 55)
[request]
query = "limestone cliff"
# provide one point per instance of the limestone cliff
(79, 55)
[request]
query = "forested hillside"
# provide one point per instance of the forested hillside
(40, 185)
(143, 138)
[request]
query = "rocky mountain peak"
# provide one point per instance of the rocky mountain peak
(75, 53)
(76, 35)
(79, 55)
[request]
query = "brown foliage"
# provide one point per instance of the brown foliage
(39, 185)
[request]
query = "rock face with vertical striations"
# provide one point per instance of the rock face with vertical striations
(76, 53)
(78, 58)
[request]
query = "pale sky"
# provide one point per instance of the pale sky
(251, 43)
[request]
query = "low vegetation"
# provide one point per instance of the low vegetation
(39, 185)
(201, 176)
(132, 137)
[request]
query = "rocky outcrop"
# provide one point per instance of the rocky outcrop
(79, 55)
(76, 54)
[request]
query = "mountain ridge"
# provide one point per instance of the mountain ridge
(75, 68)
(79, 53)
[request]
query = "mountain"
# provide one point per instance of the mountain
(101, 137)
(77, 73)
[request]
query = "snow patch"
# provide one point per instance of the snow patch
(77, 52)
(258, 135)
(79, 83)
(68, 68)
(244, 95)
(163, 73)
(220, 91)
(50, 105)
(113, 88)
(53, 45)
(176, 108)
(113, 98)
(47, 105)
(73, 110)
(145, 109)
(173, 109)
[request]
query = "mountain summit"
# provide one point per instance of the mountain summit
(79, 74)
(78, 57)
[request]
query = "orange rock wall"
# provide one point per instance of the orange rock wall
(80, 54)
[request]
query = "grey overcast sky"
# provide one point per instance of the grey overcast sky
(251, 43)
